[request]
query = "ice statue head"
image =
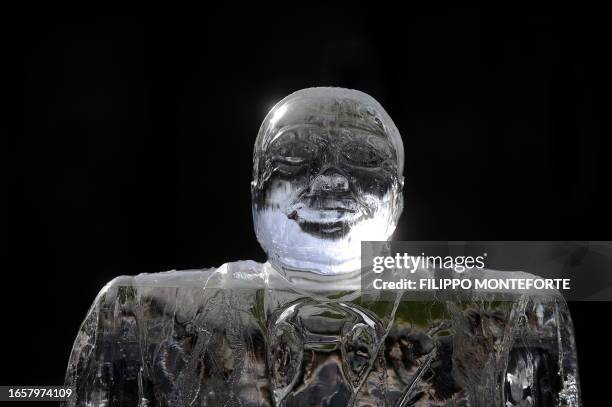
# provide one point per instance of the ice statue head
(327, 174)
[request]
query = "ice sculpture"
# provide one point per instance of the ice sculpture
(295, 331)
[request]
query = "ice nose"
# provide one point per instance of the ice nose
(330, 180)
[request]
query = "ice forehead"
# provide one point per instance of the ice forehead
(330, 106)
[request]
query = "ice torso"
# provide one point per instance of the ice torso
(246, 335)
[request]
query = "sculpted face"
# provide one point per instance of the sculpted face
(327, 174)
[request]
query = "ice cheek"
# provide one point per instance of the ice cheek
(377, 181)
(378, 190)
(279, 193)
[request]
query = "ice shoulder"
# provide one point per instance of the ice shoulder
(233, 274)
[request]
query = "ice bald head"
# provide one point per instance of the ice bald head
(329, 106)
(327, 174)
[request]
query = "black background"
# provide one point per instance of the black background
(132, 150)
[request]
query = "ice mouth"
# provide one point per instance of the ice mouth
(325, 215)
(325, 209)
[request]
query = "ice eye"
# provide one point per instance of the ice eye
(295, 160)
(362, 155)
(295, 152)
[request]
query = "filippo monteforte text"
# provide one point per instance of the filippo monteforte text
(476, 284)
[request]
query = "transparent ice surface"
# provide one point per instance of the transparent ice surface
(297, 331)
